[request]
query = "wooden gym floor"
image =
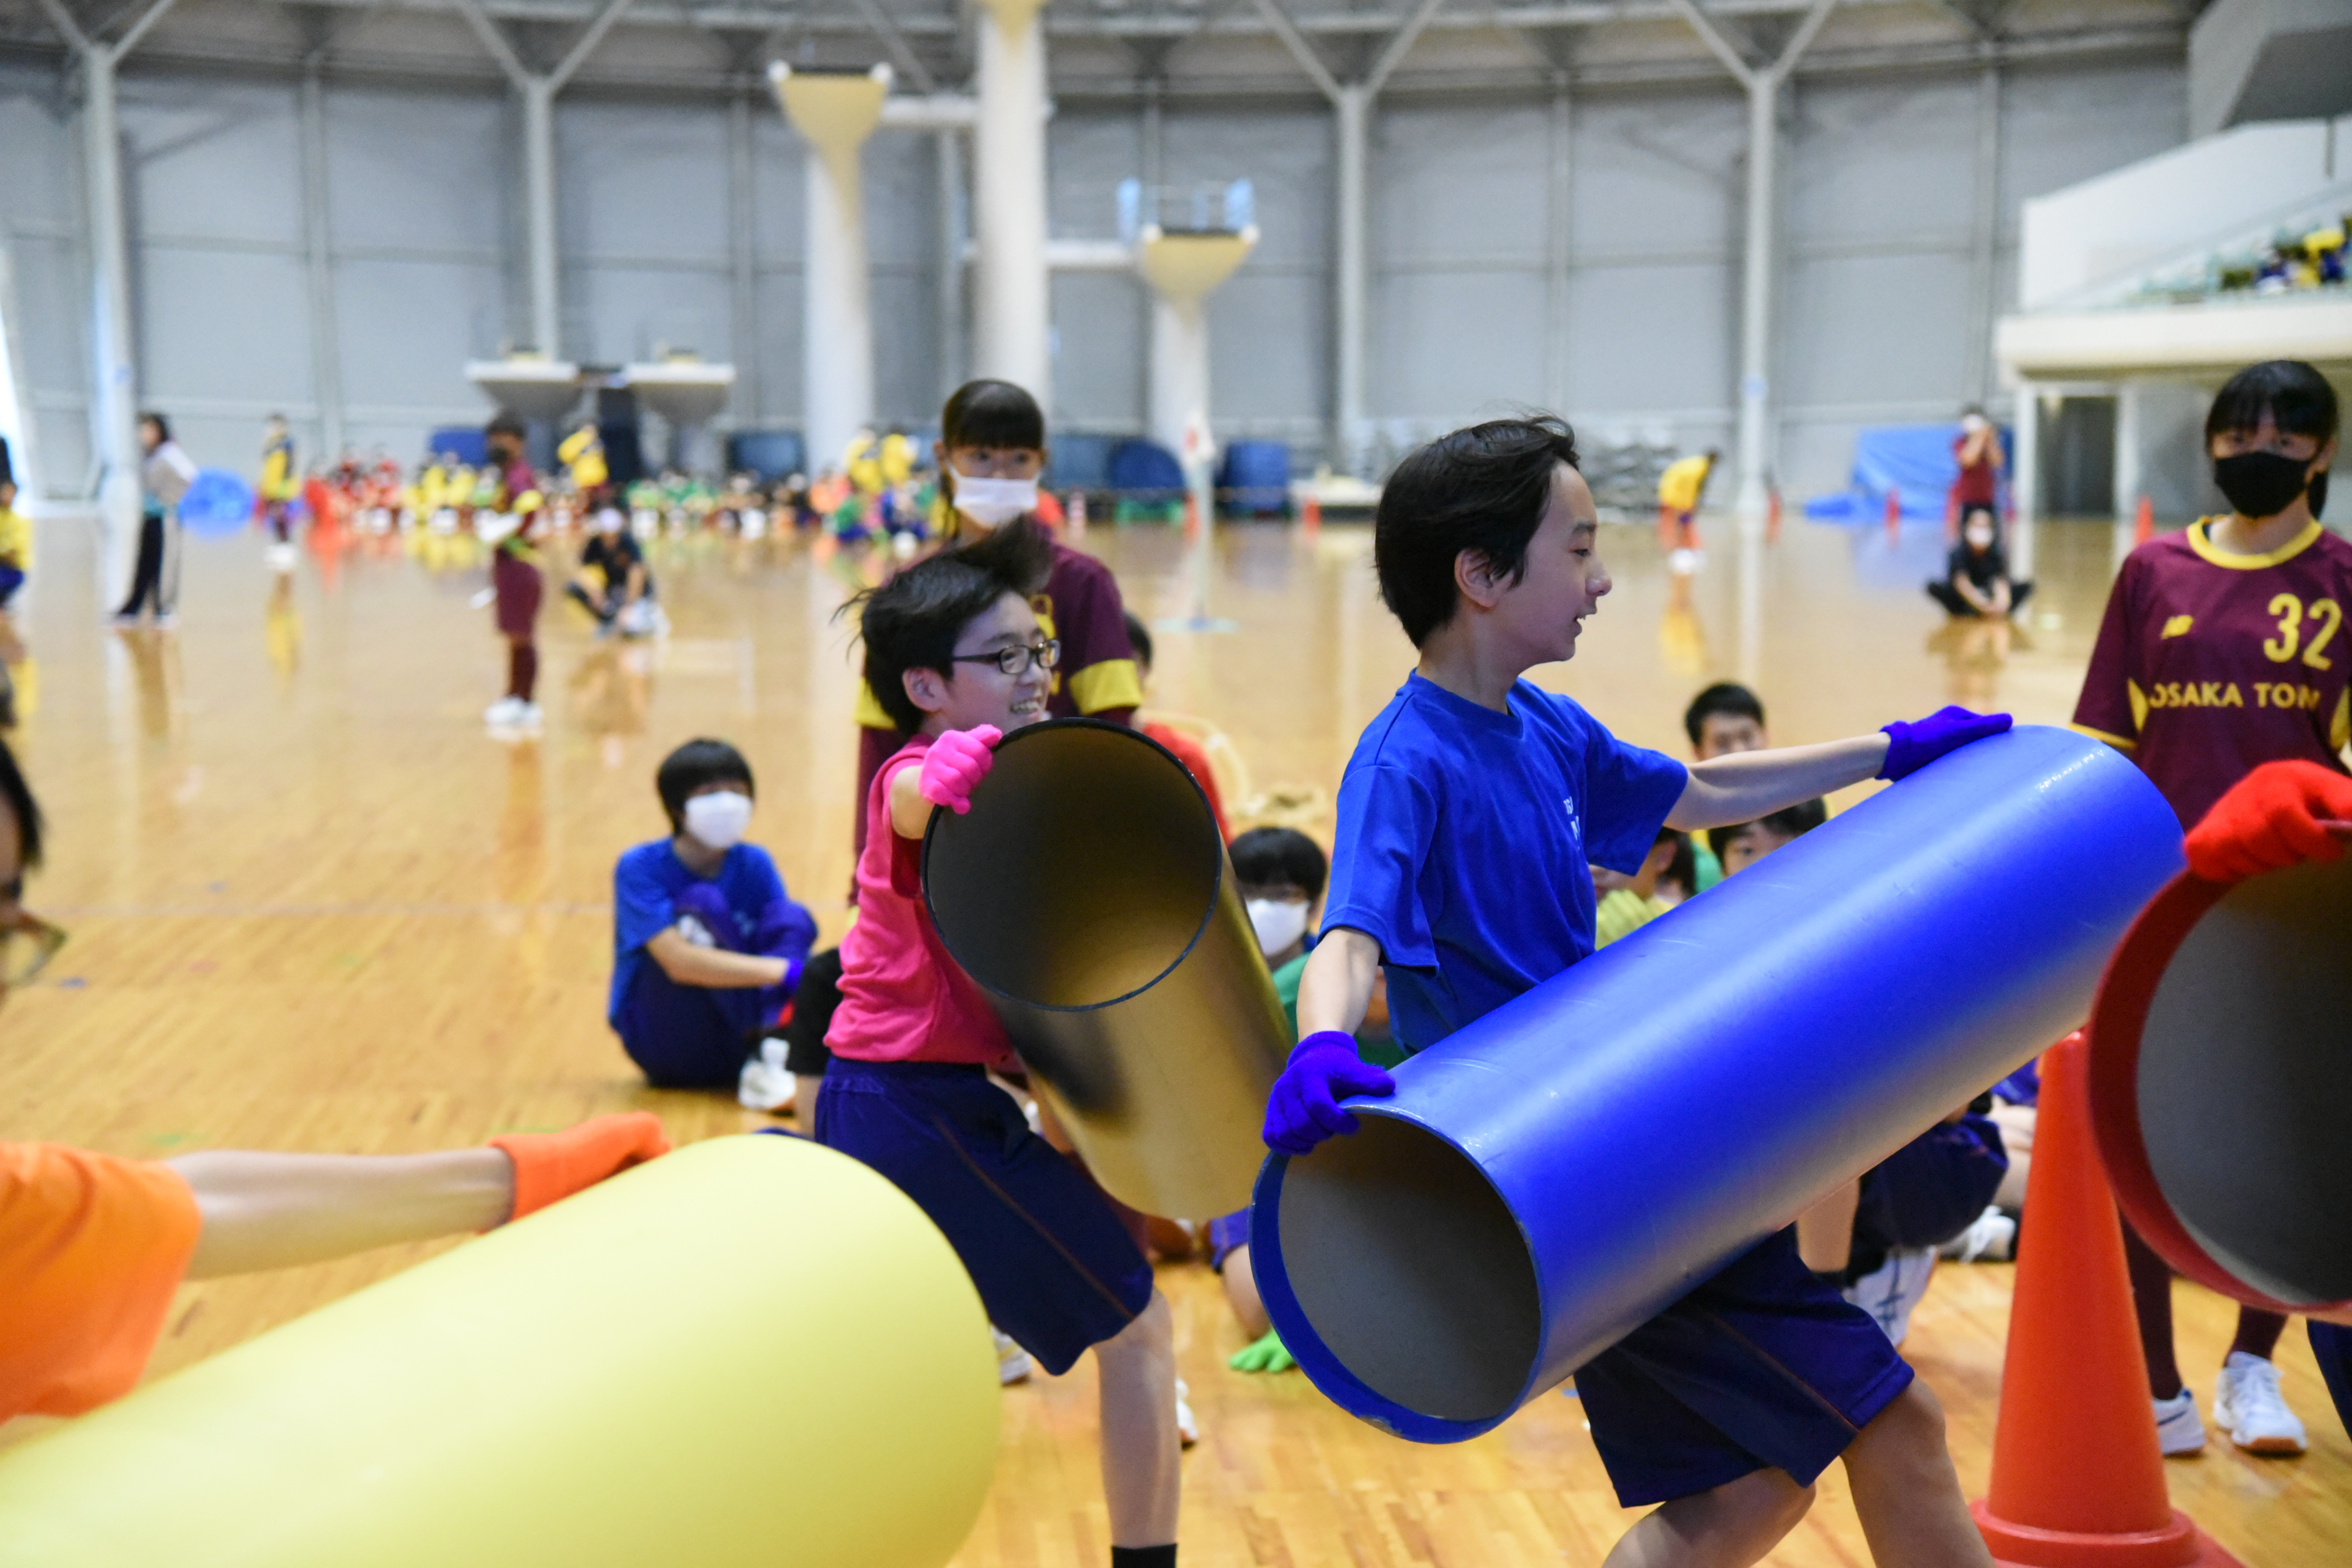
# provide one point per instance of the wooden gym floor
(314, 907)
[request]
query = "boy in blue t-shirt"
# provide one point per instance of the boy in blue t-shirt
(706, 944)
(1468, 817)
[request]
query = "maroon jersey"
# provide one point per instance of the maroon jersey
(2209, 664)
(1081, 605)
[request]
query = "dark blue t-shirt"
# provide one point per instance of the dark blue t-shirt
(1465, 840)
(645, 886)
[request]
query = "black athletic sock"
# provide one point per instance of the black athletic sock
(1143, 1556)
(522, 670)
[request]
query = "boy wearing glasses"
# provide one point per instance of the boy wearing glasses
(955, 653)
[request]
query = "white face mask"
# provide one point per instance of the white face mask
(608, 522)
(1980, 538)
(1972, 423)
(993, 503)
(718, 821)
(1277, 922)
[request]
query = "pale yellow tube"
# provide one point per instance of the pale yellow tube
(752, 1351)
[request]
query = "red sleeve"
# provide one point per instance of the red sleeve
(2105, 708)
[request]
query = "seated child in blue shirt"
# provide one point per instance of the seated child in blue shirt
(1468, 817)
(705, 945)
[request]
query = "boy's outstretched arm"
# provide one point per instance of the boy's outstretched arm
(1337, 986)
(1746, 785)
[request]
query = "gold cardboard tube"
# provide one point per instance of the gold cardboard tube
(1087, 892)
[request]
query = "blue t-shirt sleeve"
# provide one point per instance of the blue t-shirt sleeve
(1628, 791)
(644, 906)
(1388, 820)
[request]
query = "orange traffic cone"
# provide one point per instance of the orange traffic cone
(2144, 524)
(1772, 515)
(2078, 1480)
(1310, 515)
(1894, 512)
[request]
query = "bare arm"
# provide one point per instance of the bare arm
(274, 1211)
(910, 813)
(1746, 785)
(714, 967)
(1337, 987)
(1967, 589)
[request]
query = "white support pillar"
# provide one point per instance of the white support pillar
(1560, 237)
(1011, 302)
(326, 349)
(835, 112)
(1352, 281)
(538, 95)
(1760, 256)
(743, 276)
(1984, 234)
(114, 377)
(1183, 269)
(2024, 480)
(1756, 288)
(2130, 471)
(955, 328)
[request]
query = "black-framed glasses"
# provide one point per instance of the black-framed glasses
(1013, 660)
(26, 950)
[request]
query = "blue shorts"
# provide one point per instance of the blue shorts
(1053, 1266)
(1227, 1233)
(1763, 1367)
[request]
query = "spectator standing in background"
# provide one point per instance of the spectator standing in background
(1978, 449)
(164, 479)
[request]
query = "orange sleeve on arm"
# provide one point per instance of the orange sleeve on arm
(91, 1248)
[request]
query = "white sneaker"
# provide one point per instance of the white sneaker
(529, 716)
(2179, 1429)
(766, 1084)
(1893, 1291)
(2247, 1405)
(1187, 1425)
(1990, 1238)
(1012, 1362)
(504, 713)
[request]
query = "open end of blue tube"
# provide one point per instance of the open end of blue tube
(1414, 1277)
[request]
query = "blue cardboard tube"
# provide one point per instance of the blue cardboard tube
(1551, 1176)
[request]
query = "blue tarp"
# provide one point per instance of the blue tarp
(217, 502)
(1915, 460)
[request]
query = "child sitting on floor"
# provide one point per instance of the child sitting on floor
(706, 942)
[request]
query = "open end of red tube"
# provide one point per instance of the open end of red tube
(1412, 1271)
(2224, 1029)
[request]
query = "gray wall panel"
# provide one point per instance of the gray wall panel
(1657, 173)
(407, 328)
(641, 180)
(224, 325)
(779, 165)
(1447, 345)
(1456, 181)
(779, 302)
(624, 313)
(1650, 338)
(1875, 161)
(418, 171)
(1101, 339)
(212, 159)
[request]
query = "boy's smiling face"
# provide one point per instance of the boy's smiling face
(1544, 611)
(976, 692)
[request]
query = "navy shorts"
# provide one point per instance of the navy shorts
(1053, 1266)
(1228, 1234)
(1763, 1367)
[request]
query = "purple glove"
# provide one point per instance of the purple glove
(1910, 747)
(956, 764)
(1304, 1108)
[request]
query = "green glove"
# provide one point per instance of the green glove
(1266, 1355)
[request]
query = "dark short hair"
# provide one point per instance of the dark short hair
(1683, 870)
(1788, 822)
(505, 423)
(1723, 697)
(699, 761)
(1483, 489)
(162, 425)
(2293, 392)
(18, 796)
(1280, 858)
(992, 413)
(913, 621)
(1139, 637)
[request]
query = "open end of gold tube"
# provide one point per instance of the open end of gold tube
(2245, 1081)
(1087, 868)
(1412, 1270)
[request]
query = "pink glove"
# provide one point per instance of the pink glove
(956, 764)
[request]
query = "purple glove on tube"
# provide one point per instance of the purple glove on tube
(1323, 1070)
(1912, 746)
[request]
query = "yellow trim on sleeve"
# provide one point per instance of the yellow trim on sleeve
(870, 712)
(1113, 683)
(2116, 741)
(2139, 704)
(2201, 540)
(2339, 728)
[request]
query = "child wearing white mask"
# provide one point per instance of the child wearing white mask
(1976, 579)
(705, 943)
(991, 452)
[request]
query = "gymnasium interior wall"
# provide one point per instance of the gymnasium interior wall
(1573, 250)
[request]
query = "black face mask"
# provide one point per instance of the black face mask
(2262, 484)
